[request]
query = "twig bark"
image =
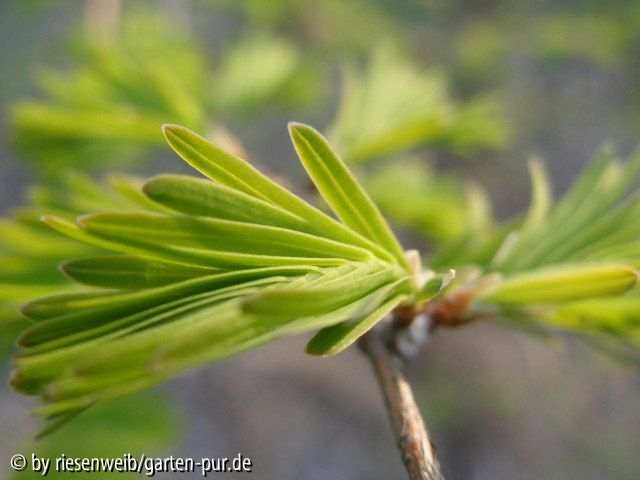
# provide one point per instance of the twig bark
(412, 437)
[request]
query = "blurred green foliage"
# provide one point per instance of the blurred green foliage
(424, 196)
(396, 106)
(139, 424)
(105, 111)
(325, 27)
(259, 70)
(605, 37)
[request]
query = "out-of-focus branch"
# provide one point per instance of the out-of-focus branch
(412, 437)
(102, 17)
(221, 135)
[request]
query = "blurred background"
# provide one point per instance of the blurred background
(437, 105)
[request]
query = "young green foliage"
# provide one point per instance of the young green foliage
(566, 264)
(219, 266)
(30, 251)
(207, 268)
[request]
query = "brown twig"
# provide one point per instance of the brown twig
(412, 437)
